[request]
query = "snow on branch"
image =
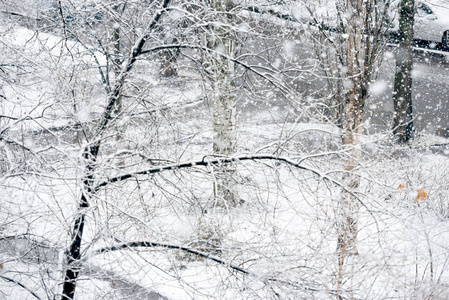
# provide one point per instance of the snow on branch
(21, 285)
(147, 244)
(217, 161)
(137, 50)
(254, 69)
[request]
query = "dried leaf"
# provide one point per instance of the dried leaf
(421, 194)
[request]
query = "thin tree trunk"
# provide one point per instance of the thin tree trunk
(402, 95)
(169, 58)
(224, 143)
(225, 103)
(117, 61)
(90, 157)
(353, 127)
(210, 231)
(74, 252)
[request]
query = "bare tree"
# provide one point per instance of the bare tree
(365, 30)
(73, 220)
(353, 125)
(356, 37)
(90, 155)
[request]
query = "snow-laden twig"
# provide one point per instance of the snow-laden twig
(256, 69)
(21, 285)
(216, 161)
(148, 244)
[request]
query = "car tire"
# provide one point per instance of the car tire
(446, 41)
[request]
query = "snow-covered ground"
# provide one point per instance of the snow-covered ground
(283, 234)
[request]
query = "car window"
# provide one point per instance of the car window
(423, 10)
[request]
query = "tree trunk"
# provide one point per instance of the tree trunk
(169, 58)
(117, 67)
(353, 128)
(90, 155)
(347, 223)
(210, 231)
(225, 103)
(117, 61)
(402, 95)
(224, 143)
(74, 252)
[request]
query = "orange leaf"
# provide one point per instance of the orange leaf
(421, 194)
(401, 188)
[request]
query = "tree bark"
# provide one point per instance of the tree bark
(117, 62)
(74, 252)
(402, 95)
(353, 125)
(225, 103)
(169, 58)
(117, 53)
(355, 82)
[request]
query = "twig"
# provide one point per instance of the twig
(21, 285)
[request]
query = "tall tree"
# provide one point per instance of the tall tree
(402, 95)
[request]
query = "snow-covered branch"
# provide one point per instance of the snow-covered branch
(217, 161)
(21, 285)
(253, 68)
(148, 244)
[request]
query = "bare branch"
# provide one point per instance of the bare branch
(217, 161)
(21, 285)
(266, 76)
(147, 244)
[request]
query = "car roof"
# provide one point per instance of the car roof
(439, 7)
(437, 3)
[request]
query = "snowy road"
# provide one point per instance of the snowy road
(430, 94)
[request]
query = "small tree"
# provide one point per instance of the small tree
(366, 34)
(90, 155)
(356, 39)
